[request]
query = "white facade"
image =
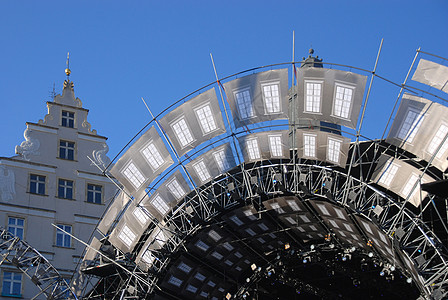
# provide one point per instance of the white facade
(52, 181)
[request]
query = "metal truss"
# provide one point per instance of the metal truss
(250, 184)
(34, 265)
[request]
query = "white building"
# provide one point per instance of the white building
(53, 181)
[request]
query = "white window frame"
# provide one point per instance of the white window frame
(273, 148)
(64, 185)
(314, 97)
(189, 137)
(279, 97)
(201, 170)
(155, 160)
(388, 174)
(67, 119)
(160, 205)
(252, 151)
(222, 163)
(176, 189)
(331, 152)
(69, 147)
(140, 214)
(250, 106)
(342, 112)
(12, 282)
(94, 192)
(307, 147)
(147, 257)
(436, 140)
(136, 178)
(127, 236)
(14, 227)
(63, 235)
(409, 185)
(208, 123)
(37, 184)
(407, 134)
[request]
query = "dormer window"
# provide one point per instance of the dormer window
(68, 119)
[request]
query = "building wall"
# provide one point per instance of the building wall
(39, 157)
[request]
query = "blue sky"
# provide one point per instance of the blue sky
(160, 50)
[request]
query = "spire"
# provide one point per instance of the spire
(67, 71)
(67, 82)
(312, 61)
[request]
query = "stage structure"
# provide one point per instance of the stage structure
(256, 187)
(34, 265)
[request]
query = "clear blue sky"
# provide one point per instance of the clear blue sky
(122, 51)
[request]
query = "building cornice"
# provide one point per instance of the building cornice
(27, 165)
(91, 137)
(68, 106)
(41, 127)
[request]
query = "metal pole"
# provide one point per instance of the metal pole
(356, 144)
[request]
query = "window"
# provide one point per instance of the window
(313, 94)
(148, 257)
(201, 171)
(214, 235)
(205, 118)
(334, 149)
(182, 132)
(227, 246)
(184, 267)
(16, 226)
(342, 101)
(252, 149)
(160, 238)
(291, 220)
(175, 189)
(37, 184)
(437, 140)
(228, 262)
(94, 193)
(304, 218)
(293, 205)
(65, 189)
(410, 125)
(160, 205)
(199, 276)
(153, 156)
(388, 174)
(127, 236)
(141, 215)
(191, 288)
(309, 145)
(63, 239)
(201, 245)
(410, 185)
(217, 255)
(244, 104)
(221, 160)
(12, 284)
(68, 119)
(277, 208)
(275, 145)
(250, 232)
(236, 220)
(133, 175)
(271, 97)
(174, 281)
(67, 150)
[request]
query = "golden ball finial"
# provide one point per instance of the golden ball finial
(67, 71)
